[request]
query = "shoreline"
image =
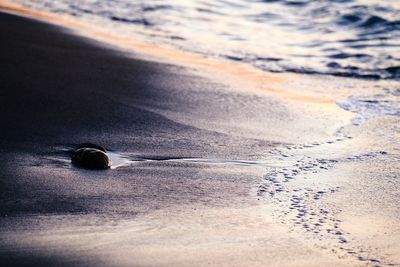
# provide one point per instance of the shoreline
(249, 77)
(144, 107)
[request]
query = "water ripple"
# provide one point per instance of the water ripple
(362, 36)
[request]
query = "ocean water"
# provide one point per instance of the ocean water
(351, 38)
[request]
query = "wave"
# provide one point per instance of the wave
(352, 38)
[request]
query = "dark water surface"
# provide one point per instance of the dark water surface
(359, 38)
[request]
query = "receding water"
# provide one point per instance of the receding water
(371, 107)
(359, 38)
(126, 159)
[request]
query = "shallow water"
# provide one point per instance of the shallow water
(61, 158)
(359, 38)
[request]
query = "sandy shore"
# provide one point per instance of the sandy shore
(59, 90)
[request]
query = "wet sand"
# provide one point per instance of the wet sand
(222, 209)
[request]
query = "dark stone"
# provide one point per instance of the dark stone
(91, 158)
(90, 145)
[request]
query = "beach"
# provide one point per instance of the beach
(217, 168)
